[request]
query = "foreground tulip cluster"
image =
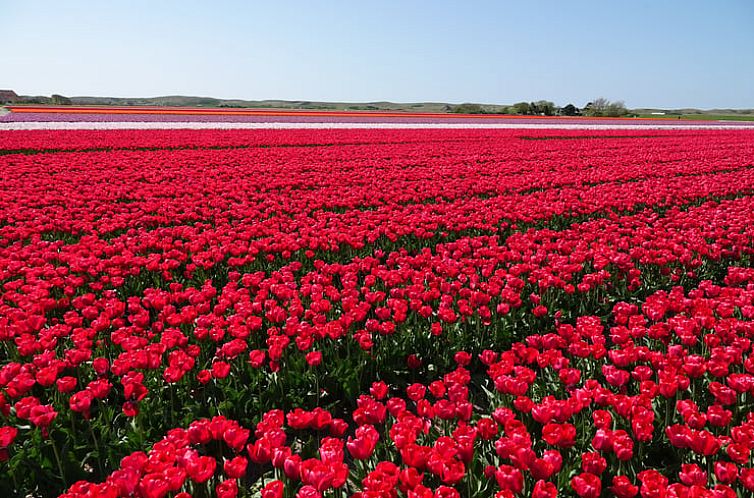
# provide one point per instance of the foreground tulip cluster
(583, 407)
(377, 313)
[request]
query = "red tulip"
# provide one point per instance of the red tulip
(273, 489)
(563, 435)
(235, 467)
(623, 488)
(587, 485)
(366, 440)
(227, 489)
(544, 489)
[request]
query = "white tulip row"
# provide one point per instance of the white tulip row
(143, 125)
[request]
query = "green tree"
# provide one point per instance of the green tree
(468, 108)
(522, 108)
(603, 107)
(616, 109)
(543, 107)
(60, 100)
(597, 107)
(570, 110)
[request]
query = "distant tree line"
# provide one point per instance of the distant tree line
(600, 107)
(53, 99)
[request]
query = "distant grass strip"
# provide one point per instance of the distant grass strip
(700, 117)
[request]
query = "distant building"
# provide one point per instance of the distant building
(8, 97)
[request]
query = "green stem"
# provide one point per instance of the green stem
(59, 462)
(99, 454)
(15, 482)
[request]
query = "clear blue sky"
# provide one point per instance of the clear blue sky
(653, 53)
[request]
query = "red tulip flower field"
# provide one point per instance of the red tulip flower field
(377, 313)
